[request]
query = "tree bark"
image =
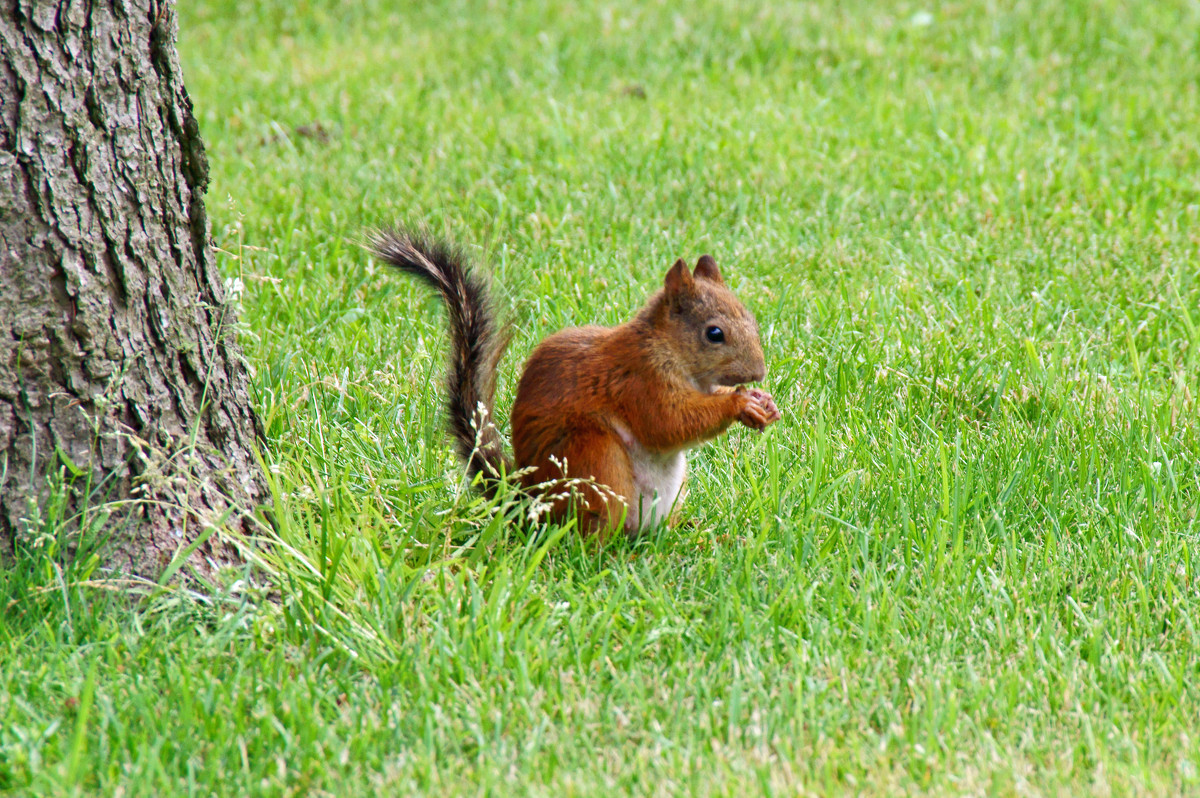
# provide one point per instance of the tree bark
(119, 368)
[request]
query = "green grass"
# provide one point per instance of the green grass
(961, 564)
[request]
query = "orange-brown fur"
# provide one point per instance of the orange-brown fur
(614, 407)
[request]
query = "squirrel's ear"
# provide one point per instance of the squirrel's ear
(679, 280)
(706, 267)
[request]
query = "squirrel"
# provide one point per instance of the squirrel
(606, 412)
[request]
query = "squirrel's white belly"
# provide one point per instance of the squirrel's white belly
(657, 482)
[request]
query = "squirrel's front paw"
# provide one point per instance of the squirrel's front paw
(767, 401)
(759, 409)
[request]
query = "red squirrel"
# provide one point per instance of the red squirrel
(607, 411)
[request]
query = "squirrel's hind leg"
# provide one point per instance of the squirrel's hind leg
(598, 481)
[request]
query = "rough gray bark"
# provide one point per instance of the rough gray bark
(117, 355)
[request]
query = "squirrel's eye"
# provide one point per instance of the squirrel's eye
(715, 335)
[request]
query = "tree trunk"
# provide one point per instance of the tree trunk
(119, 371)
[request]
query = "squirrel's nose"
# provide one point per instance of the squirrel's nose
(760, 371)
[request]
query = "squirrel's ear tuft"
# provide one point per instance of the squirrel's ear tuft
(678, 280)
(706, 268)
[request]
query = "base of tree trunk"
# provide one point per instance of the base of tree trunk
(119, 369)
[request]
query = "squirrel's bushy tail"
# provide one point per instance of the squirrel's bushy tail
(476, 345)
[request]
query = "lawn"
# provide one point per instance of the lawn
(962, 563)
